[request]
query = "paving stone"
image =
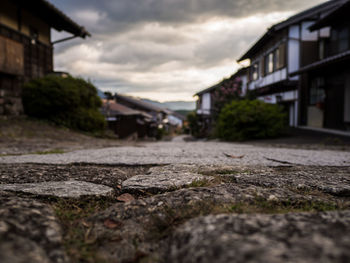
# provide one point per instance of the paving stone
(143, 229)
(69, 189)
(163, 178)
(36, 173)
(29, 232)
(144, 220)
(330, 180)
(200, 153)
(300, 237)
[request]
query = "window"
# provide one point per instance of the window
(343, 37)
(269, 63)
(282, 55)
(276, 59)
(340, 40)
(254, 73)
(34, 35)
(317, 91)
(321, 49)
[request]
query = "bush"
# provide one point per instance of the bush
(193, 124)
(250, 119)
(70, 102)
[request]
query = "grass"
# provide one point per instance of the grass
(263, 206)
(213, 181)
(164, 223)
(82, 246)
(53, 151)
(201, 183)
(220, 172)
(31, 128)
(79, 244)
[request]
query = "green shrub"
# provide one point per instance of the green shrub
(193, 124)
(70, 102)
(250, 119)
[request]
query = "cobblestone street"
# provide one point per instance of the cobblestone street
(176, 202)
(199, 153)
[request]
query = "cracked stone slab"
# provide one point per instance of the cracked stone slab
(97, 174)
(300, 237)
(67, 189)
(134, 221)
(164, 178)
(143, 219)
(29, 232)
(330, 180)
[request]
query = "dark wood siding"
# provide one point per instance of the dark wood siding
(22, 62)
(309, 52)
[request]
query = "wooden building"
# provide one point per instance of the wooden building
(158, 114)
(286, 48)
(26, 49)
(325, 85)
(206, 100)
(127, 122)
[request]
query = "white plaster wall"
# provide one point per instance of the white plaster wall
(268, 99)
(285, 96)
(306, 34)
(293, 56)
(206, 103)
(289, 95)
(325, 32)
(291, 115)
(276, 76)
(294, 32)
(244, 85)
(293, 50)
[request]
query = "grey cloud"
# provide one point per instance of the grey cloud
(119, 15)
(121, 27)
(142, 56)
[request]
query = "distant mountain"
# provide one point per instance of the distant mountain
(174, 105)
(171, 105)
(184, 113)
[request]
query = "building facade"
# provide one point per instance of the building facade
(207, 100)
(26, 49)
(284, 49)
(325, 84)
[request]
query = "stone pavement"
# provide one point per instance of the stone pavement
(200, 153)
(176, 202)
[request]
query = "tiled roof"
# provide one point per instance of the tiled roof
(140, 103)
(112, 108)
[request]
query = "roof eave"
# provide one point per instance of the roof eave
(54, 17)
(253, 50)
(307, 14)
(331, 18)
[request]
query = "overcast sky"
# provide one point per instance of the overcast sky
(165, 49)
